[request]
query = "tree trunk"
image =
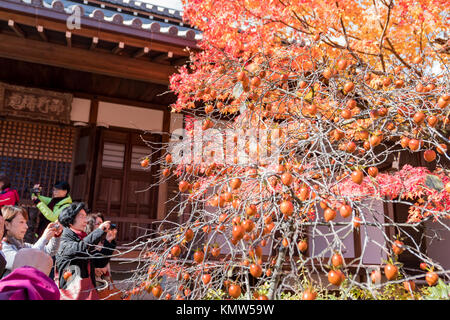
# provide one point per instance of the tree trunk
(278, 268)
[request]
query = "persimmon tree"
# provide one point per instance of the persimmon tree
(298, 114)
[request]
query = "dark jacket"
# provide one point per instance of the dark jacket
(2, 264)
(104, 255)
(76, 252)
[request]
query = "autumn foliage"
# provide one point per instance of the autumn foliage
(346, 91)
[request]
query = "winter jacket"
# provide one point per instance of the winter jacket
(9, 197)
(52, 214)
(2, 264)
(28, 283)
(104, 255)
(12, 246)
(81, 253)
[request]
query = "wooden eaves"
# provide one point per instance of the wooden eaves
(137, 66)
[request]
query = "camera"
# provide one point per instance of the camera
(56, 226)
(35, 190)
(112, 226)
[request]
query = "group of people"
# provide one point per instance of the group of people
(69, 260)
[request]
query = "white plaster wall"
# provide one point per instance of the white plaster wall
(438, 250)
(118, 115)
(80, 110)
(176, 121)
(322, 241)
(372, 239)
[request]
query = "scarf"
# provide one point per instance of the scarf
(54, 201)
(80, 234)
(19, 244)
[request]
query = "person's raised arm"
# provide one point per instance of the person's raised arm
(47, 212)
(72, 248)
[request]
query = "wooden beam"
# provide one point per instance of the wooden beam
(83, 60)
(163, 57)
(180, 61)
(69, 38)
(41, 31)
(16, 28)
(94, 43)
(90, 32)
(160, 57)
(128, 102)
(141, 52)
(118, 48)
(131, 219)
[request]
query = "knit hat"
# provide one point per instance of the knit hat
(34, 258)
(62, 185)
(68, 214)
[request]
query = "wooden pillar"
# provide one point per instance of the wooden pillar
(162, 192)
(94, 148)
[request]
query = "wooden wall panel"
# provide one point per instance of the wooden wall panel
(32, 152)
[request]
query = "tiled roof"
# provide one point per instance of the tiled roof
(133, 16)
(151, 8)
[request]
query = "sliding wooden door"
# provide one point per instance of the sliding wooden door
(124, 191)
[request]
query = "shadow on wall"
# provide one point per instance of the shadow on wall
(438, 248)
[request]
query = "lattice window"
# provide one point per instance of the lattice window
(137, 155)
(35, 153)
(113, 155)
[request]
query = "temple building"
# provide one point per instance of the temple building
(82, 84)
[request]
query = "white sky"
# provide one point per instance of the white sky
(171, 4)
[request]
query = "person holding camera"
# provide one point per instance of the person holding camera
(15, 228)
(50, 208)
(104, 253)
(8, 196)
(75, 260)
(107, 246)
